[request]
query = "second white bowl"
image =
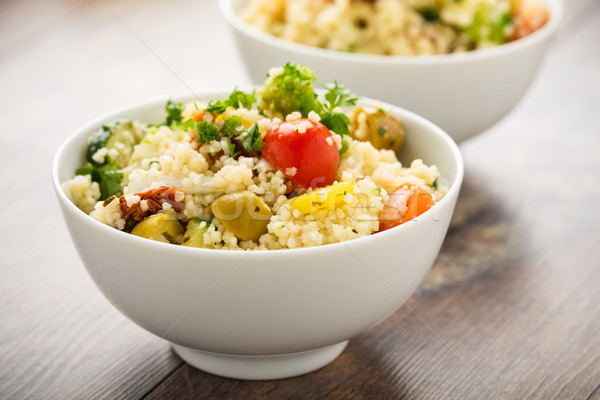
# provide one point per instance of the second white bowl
(463, 93)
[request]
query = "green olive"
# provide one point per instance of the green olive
(380, 128)
(162, 227)
(194, 234)
(244, 214)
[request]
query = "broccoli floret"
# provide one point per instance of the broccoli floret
(288, 89)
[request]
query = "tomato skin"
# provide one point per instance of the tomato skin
(414, 198)
(313, 153)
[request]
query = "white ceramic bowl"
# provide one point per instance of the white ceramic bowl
(261, 314)
(463, 93)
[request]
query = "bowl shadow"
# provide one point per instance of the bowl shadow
(481, 236)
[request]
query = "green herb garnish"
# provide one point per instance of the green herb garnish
(429, 14)
(251, 139)
(234, 100)
(188, 124)
(174, 111)
(206, 132)
(233, 127)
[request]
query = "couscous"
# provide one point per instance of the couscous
(397, 27)
(277, 168)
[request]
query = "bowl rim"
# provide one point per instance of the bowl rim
(214, 93)
(556, 12)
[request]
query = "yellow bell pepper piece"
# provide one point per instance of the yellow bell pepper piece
(327, 197)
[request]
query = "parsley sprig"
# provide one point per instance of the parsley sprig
(234, 100)
(337, 96)
(240, 140)
(174, 110)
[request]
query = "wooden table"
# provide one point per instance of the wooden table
(511, 309)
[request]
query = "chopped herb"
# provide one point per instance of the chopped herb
(435, 184)
(336, 121)
(109, 200)
(232, 150)
(252, 140)
(174, 111)
(206, 132)
(188, 124)
(337, 96)
(216, 106)
(382, 131)
(238, 97)
(233, 127)
(429, 14)
(106, 176)
(234, 100)
(354, 230)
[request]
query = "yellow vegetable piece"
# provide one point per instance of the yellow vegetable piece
(327, 197)
(161, 227)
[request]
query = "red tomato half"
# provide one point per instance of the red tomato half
(304, 151)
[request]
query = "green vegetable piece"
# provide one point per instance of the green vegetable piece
(188, 124)
(234, 100)
(162, 227)
(232, 150)
(233, 127)
(490, 26)
(288, 91)
(429, 14)
(251, 139)
(107, 177)
(238, 97)
(336, 122)
(206, 132)
(174, 111)
(339, 96)
(244, 214)
(97, 142)
(194, 234)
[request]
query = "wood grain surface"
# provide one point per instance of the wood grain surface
(510, 310)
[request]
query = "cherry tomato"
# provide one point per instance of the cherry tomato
(405, 203)
(304, 151)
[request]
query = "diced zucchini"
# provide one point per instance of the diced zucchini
(194, 234)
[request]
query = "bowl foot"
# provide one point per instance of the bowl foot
(260, 367)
